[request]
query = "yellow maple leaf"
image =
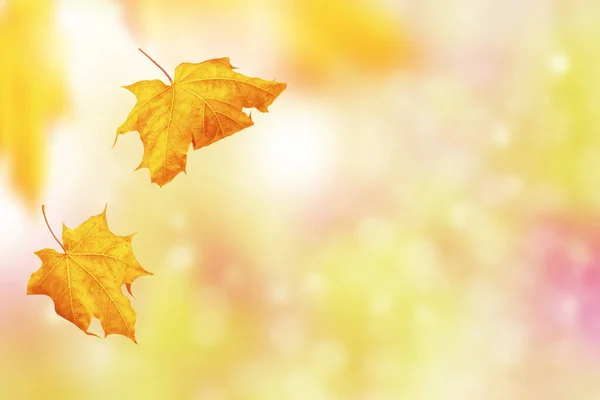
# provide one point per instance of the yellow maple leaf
(86, 279)
(203, 104)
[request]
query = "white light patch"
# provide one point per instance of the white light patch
(100, 354)
(50, 315)
(279, 294)
(560, 63)
(179, 222)
(12, 222)
(501, 137)
(314, 283)
(568, 311)
(93, 36)
(298, 152)
(181, 257)
(89, 22)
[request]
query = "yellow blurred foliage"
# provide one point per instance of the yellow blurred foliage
(316, 39)
(357, 35)
(32, 90)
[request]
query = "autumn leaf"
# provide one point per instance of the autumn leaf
(202, 105)
(86, 279)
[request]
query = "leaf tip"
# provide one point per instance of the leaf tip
(128, 286)
(103, 213)
(131, 335)
(93, 334)
(228, 61)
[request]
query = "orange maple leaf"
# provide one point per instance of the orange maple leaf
(86, 279)
(202, 105)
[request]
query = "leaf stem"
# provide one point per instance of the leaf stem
(155, 63)
(47, 224)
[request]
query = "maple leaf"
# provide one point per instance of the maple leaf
(86, 279)
(201, 106)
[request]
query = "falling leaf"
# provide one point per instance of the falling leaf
(86, 279)
(32, 92)
(202, 105)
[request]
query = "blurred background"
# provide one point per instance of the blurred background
(417, 217)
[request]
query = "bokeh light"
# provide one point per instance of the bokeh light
(416, 217)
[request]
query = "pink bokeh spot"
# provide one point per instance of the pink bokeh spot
(566, 256)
